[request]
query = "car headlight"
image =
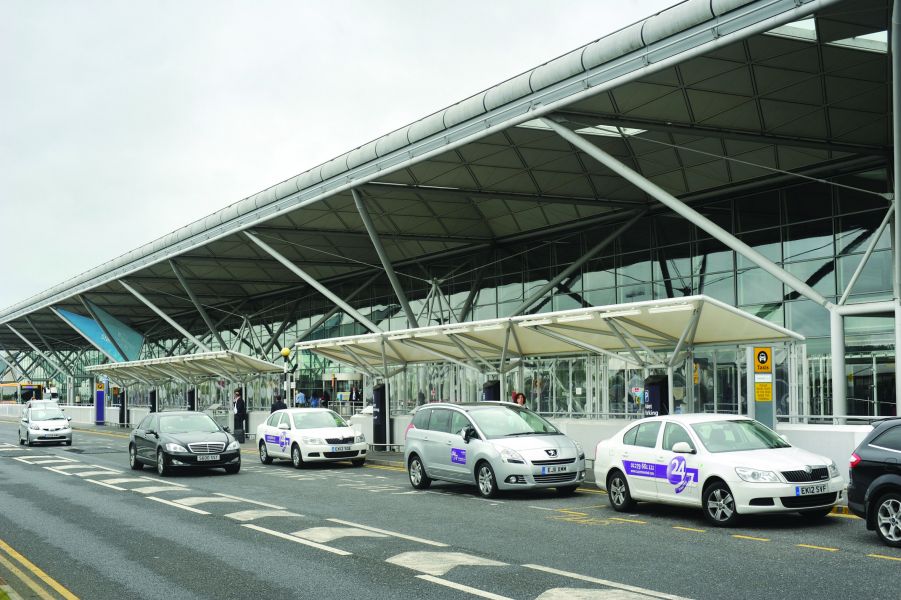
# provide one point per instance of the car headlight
(579, 450)
(233, 445)
(833, 470)
(313, 440)
(35, 427)
(170, 447)
(756, 476)
(360, 438)
(511, 456)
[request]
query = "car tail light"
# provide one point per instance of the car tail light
(855, 460)
(407, 430)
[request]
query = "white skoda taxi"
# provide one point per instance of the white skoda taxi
(727, 465)
(309, 435)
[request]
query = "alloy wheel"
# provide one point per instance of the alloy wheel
(486, 480)
(415, 472)
(618, 491)
(720, 505)
(888, 519)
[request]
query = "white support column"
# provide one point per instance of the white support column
(383, 257)
(165, 317)
(895, 40)
(313, 283)
(839, 400)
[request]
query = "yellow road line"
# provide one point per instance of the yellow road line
(628, 520)
(884, 557)
(843, 516)
(572, 512)
(92, 432)
(385, 468)
(59, 588)
(689, 529)
(591, 491)
(817, 547)
(750, 537)
(26, 579)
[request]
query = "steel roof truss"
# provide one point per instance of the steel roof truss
(197, 305)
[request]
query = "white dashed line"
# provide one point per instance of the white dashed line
(257, 502)
(252, 515)
(188, 508)
(297, 540)
(391, 533)
(612, 584)
(113, 487)
(158, 481)
(195, 500)
(155, 489)
(462, 588)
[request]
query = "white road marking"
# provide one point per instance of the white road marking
(463, 588)
(125, 480)
(543, 508)
(439, 563)
(492, 502)
(195, 500)
(69, 467)
(96, 472)
(330, 534)
(43, 460)
(589, 594)
(157, 480)
(612, 584)
(298, 540)
(162, 501)
(58, 471)
(257, 502)
(114, 487)
(250, 515)
(154, 489)
(391, 533)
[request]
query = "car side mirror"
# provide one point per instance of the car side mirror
(284, 426)
(683, 448)
(151, 432)
(69, 419)
(469, 433)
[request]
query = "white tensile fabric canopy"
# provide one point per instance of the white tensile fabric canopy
(187, 369)
(644, 333)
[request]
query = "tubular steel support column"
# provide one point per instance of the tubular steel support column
(895, 40)
(335, 309)
(58, 369)
(689, 213)
(839, 401)
(165, 317)
(578, 263)
(200, 309)
(313, 283)
(383, 257)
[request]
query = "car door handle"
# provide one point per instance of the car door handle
(449, 443)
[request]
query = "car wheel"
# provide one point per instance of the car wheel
(719, 505)
(888, 519)
(568, 490)
(816, 514)
(618, 492)
(296, 457)
(28, 441)
(21, 441)
(161, 467)
(133, 461)
(264, 454)
(486, 480)
(418, 477)
(359, 462)
(232, 469)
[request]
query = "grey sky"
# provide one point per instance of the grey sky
(122, 121)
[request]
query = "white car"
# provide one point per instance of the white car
(310, 435)
(727, 465)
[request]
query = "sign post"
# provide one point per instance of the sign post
(764, 412)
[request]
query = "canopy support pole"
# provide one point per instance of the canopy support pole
(584, 345)
(895, 41)
(164, 316)
(313, 283)
(200, 309)
(52, 363)
(67, 368)
(383, 257)
(874, 239)
(839, 401)
(336, 308)
(18, 365)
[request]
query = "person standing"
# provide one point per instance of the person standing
(326, 398)
(355, 395)
(519, 398)
(240, 408)
(278, 404)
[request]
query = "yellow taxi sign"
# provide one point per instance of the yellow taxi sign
(763, 360)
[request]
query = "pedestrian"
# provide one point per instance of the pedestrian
(519, 398)
(240, 409)
(326, 398)
(278, 404)
(300, 399)
(355, 395)
(314, 401)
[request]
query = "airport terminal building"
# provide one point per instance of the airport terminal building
(654, 206)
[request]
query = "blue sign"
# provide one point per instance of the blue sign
(676, 473)
(458, 456)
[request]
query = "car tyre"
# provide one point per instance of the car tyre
(233, 469)
(719, 505)
(359, 462)
(567, 490)
(486, 480)
(21, 441)
(888, 519)
(28, 441)
(133, 461)
(162, 467)
(418, 477)
(264, 454)
(816, 514)
(296, 457)
(618, 493)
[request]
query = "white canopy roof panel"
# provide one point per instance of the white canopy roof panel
(187, 369)
(649, 332)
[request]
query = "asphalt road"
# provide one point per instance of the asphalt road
(77, 523)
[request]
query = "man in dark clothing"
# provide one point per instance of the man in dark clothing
(279, 404)
(240, 410)
(326, 398)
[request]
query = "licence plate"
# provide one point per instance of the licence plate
(547, 470)
(807, 490)
(207, 457)
(340, 448)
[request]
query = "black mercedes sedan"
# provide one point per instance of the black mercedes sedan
(171, 440)
(874, 492)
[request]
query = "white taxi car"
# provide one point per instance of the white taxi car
(309, 435)
(727, 465)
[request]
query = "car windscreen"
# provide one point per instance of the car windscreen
(737, 435)
(505, 421)
(198, 423)
(315, 420)
(46, 414)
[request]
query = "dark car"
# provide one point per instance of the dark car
(182, 439)
(874, 493)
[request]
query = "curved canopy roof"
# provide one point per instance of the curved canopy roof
(703, 97)
(189, 368)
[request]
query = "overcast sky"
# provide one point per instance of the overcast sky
(122, 121)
